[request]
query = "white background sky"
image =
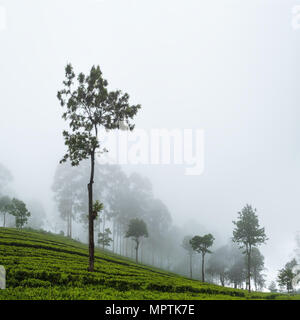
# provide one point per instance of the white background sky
(228, 67)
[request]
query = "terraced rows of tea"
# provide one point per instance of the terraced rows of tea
(46, 266)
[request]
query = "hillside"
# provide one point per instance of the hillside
(47, 266)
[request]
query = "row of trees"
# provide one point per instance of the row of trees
(241, 261)
(228, 263)
(128, 200)
(124, 198)
(11, 206)
(16, 208)
(288, 277)
(129, 211)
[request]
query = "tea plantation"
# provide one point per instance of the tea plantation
(46, 266)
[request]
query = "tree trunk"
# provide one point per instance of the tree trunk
(255, 279)
(203, 279)
(71, 224)
(120, 239)
(117, 238)
(91, 215)
(132, 250)
(249, 269)
(114, 236)
(124, 247)
(137, 251)
(191, 266)
(103, 229)
(70, 216)
(222, 280)
(67, 231)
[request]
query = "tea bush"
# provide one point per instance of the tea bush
(42, 265)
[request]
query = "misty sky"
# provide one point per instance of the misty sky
(228, 67)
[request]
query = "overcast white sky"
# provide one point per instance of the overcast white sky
(228, 67)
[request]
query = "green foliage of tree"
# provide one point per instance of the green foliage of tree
(272, 287)
(104, 238)
(237, 273)
(88, 107)
(97, 208)
(5, 207)
(201, 245)
(248, 234)
(19, 211)
(286, 276)
(218, 264)
(137, 229)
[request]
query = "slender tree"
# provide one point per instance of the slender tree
(272, 287)
(248, 234)
(19, 211)
(104, 238)
(201, 245)
(137, 229)
(88, 107)
(286, 276)
(257, 266)
(5, 207)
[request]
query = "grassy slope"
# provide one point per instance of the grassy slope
(46, 266)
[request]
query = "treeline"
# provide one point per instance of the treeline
(124, 198)
(227, 266)
(131, 222)
(15, 212)
(288, 278)
(238, 263)
(128, 203)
